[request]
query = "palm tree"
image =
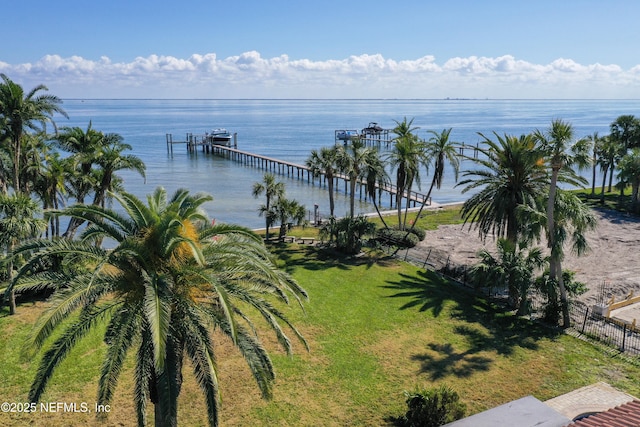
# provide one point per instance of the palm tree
(562, 153)
(624, 133)
(511, 174)
(110, 160)
(376, 178)
(25, 111)
(84, 146)
(324, 162)
(169, 281)
(572, 219)
(440, 150)
(50, 187)
(352, 161)
(288, 211)
(607, 158)
(512, 269)
(406, 157)
(272, 189)
(404, 129)
(629, 171)
(18, 221)
(596, 143)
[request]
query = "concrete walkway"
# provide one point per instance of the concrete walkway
(596, 397)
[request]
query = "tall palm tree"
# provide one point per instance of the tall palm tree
(440, 150)
(324, 162)
(18, 221)
(607, 158)
(111, 159)
(273, 190)
(406, 157)
(624, 133)
(562, 153)
(376, 178)
(84, 146)
(50, 187)
(572, 219)
(169, 281)
(629, 171)
(511, 173)
(352, 161)
(22, 111)
(596, 143)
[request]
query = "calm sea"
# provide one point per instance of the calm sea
(290, 129)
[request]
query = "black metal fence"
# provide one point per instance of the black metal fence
(616, 334)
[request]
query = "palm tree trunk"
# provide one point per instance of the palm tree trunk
(564, 300)
(331, 194)
(352, 196)
(375, 205)
(604, 183)
(12, 293)
(406, 208)
(16, 163)
(424, 203)
(555, 265)
(611, 177)
(593, 173)
(267, 220)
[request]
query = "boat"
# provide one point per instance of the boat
(347, 135)
(220, 135)
(373, 129)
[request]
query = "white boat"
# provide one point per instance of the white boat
(220, 135)
(347, 135)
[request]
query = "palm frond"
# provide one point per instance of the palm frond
(63, 345)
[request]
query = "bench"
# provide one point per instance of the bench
(289, 239)
(307, 239)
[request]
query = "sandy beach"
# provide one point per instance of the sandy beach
(614, 255)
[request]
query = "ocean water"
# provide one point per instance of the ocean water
(290, 129)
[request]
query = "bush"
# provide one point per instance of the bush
(432, 408)
(397, 237)
(420, 233)
(552, 307)
(346, 234)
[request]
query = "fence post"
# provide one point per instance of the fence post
(584, 323)
(624, 336)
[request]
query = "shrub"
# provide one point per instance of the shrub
(432, 408)
(346, 234)
(397, 237)
(420, 233)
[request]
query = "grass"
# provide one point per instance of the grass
(612, 199)
(376, 327)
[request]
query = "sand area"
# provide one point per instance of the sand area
(614, 256)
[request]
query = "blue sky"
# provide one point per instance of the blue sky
(325, 49)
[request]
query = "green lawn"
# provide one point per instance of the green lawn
(376, 327)
(612, 199)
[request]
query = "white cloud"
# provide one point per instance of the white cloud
(358, 76)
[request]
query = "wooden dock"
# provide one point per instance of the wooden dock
(302, 172)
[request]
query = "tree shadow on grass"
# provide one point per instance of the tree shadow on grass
(428, 291)
(480, 326)
(444, 359)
